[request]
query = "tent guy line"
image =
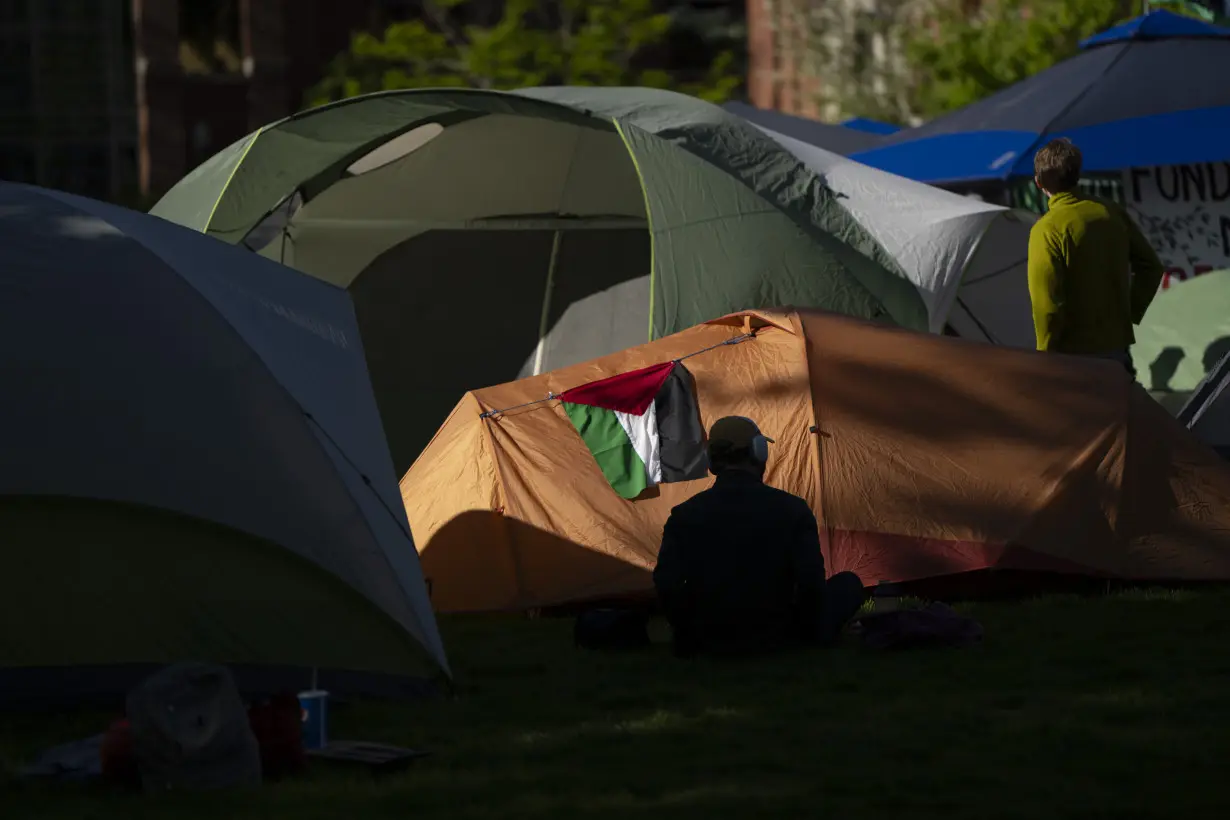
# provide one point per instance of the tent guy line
(364, 477)
(990, 336)
(552, 396)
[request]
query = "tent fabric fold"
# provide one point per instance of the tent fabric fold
(922, 456)
(967, 258)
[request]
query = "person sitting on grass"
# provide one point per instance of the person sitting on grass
(740, 569)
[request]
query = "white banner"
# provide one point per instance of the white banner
(1184, 211)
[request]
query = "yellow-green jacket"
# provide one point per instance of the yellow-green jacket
(1092, 275)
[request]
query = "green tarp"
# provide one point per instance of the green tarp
(1184, 335)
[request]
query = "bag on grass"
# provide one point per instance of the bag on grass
(118, 761)
(936, 625)
(190, 730)
(611, 629)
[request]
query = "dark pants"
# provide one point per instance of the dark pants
(843, 596)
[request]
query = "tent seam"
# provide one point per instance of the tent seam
(822, 527)
(545, 317)
(502, 499)
(956, 296)
(443, 90)
(653, 256)
(231, 177)
(1042, 133)
(313, 423)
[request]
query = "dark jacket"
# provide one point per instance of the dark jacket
(740, 568)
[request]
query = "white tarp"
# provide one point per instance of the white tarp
(153, 365)
(1184, 212)
(966, 257)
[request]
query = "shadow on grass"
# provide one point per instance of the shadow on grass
(1072, 707)
(483, 561)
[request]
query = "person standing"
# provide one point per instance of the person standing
(1092, 273)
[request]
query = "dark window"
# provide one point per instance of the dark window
(14, 12)
(16, 91)
(17, 163)
(79, 169)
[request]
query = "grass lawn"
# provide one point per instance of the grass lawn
(1112, 707)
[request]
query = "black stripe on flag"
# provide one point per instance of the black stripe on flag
(681, 437)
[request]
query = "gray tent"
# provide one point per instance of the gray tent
(835, 138)
(193, 465)
(486, 236)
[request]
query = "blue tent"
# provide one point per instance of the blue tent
(1151, 91)
(839, 139)
(871, 126)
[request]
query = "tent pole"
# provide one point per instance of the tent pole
(545, 319)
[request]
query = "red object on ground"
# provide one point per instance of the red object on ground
(278, 726)
(119, 764)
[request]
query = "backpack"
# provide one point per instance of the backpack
(936, 625)
(190, 730)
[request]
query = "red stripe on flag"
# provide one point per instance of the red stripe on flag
(630, 392)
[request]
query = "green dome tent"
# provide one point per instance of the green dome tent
(489, 235)
(1186, 332)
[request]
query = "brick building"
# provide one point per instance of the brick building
(776, 77)
(783, 74)
(95, 98)
(283, 46)
(802, 55)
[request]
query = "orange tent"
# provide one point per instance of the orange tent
(922, 456)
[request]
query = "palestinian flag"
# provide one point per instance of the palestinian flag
(643, 427)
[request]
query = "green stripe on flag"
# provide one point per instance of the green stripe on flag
(612, 449)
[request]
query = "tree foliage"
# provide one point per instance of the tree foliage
(967, 51)
(533, 43)
(909, 60)
(1198, 9)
